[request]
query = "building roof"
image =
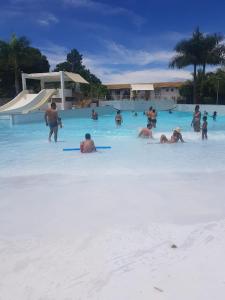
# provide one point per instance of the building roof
(116, 86)
(55, 77)
(142, 87)
(168, 84)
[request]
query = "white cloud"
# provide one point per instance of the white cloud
(115, 75)
(54, 53)
(109, 71)
(47, 19)
(107, 9)
(118, 54)
(109, 66)
(149, 75)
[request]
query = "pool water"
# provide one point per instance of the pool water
(25, 149)
(90, 224)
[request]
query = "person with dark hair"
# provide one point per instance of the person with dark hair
(153, 118)
(53, 121)
(94, 115)
(88, 145)
(149, 115)
(196, 121)
(118, 118)
(204, 128)
(214, 116)
(146, 132)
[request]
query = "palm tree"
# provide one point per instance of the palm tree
(200, 50)
(189, 53)
(15, 53)
(213, 51)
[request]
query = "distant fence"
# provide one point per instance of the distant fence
(140, 105)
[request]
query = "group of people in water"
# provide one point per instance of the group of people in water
(53, 121)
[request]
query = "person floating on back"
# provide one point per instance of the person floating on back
(204, 128)
(94, 115)
(146, 132)
(214, 116)
(88, 145)
(118, 118)
(53, 121)
(175, 138)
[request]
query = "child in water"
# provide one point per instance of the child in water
(88, 145)
(204, 128)
(214, 116)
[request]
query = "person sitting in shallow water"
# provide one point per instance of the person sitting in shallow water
(146, 132)
(175, 138)
(88, 145)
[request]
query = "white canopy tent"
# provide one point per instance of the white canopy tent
(54, 77)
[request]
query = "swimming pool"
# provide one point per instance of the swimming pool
(90, 225)
(24, 148)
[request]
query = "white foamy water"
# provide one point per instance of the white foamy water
(101, 226)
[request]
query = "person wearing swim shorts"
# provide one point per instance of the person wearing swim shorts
(146, 132)
(88, 145)
(149, 115)
(94, 115)
(118, 118)
(53, 121)
(153, 118)
(214, 116)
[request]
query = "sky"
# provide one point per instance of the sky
(121, 41)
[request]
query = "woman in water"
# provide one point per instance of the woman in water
(196, 122)
(175, 138)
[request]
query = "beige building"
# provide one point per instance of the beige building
(145, 91)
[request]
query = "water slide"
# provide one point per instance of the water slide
(25, 102)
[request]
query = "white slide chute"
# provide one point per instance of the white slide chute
(25, 102)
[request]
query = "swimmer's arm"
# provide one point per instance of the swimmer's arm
(59, 121)
(46, 118)
(181, 139)
(81, 147)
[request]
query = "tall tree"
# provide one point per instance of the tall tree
(189, 53)
(17, 55)
(213, 50)
(200, 50)
(74, 63)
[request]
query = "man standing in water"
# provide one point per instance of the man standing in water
(53, 121)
